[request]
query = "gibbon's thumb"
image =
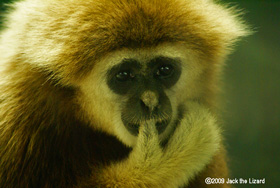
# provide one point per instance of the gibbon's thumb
(147, 141)
(147, 133)
(147, 127)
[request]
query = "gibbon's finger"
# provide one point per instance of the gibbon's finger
(148, 129)
(188, 120)
(198, 126)
(148, 136)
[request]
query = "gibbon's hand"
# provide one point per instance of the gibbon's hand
(191, 147)
(148, 144)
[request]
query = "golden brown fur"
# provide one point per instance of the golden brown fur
(53, 58)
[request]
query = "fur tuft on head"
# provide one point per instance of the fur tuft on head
(81, 32)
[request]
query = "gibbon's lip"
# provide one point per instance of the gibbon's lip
(134, 128)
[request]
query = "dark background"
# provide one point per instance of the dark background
(252, 92)
(252, 96)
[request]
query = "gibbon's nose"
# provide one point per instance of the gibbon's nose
(150, 99)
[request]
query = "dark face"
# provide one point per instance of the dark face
(144, 88)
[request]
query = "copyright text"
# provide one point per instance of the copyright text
(252, 181)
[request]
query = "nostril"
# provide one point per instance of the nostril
(149, 99)
(144, 106)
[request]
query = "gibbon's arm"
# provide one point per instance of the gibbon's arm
(189, 150)
(217, 168)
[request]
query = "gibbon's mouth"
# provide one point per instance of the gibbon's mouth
(134, 128)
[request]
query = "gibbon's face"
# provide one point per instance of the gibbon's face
(128, 87)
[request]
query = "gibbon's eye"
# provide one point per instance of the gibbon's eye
(165, 71)
(124, 76)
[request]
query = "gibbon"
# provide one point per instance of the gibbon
(113, 93)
